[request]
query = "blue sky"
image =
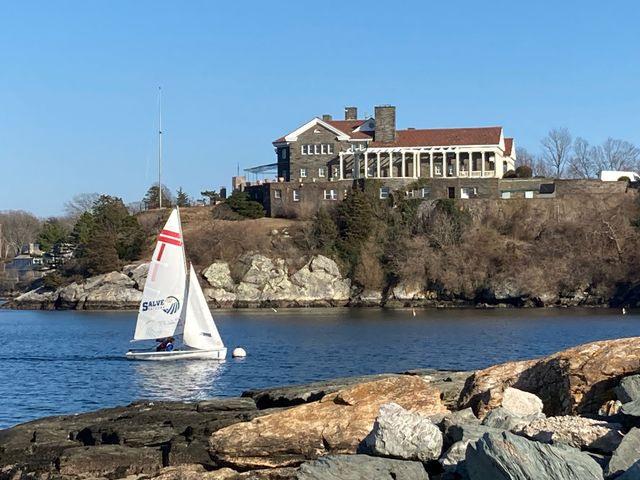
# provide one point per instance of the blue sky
(79, 81)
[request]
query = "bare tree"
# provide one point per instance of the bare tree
(615, 154)
(19, 228)
(525, 157)
(80, 203)
(556, 148)
(582, 163)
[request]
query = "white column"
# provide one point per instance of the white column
(457, 164)
(341, 176)
(416, 162)
(482, 164)
(431, 164)
(390, 154)
(404, 166)
(366, 166)
(378, 165)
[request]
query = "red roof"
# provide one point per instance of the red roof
(443, 137)
(508, 146)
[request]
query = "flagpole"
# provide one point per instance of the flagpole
(160, 147)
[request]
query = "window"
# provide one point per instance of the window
(277, 194)
(528, 194)
(384, 192)
(317, 149)
(468, 192)
(303, 173)
(409, 194)
(296, 195)
(336, 172)
(322, 172)
(437, 170)
(330, 195)
(303, 149)
(330, 148)
(323, 148)
(424, 192)
(283, 153)
(505, 195)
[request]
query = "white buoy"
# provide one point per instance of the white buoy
(414, 312)
(624, 311)
(239, 352)
(274, 309)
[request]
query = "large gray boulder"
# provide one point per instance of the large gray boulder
(506, 456)
(576, 432)
(360, 467)
(633, 473)
(320, 279)
(506, 420)
(628, 390)
(398, 433)
(109, 290)
(219, 276)
(137, 273)
(462, 432)
(627, 453)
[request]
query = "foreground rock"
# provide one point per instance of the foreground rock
(577, 380)
(334, 425)
(398, 433)
(360, 467)
(509, 457)
(579, 432)
(627, 453)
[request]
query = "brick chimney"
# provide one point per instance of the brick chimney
(350, 113)
(385, 124)
(326, 117)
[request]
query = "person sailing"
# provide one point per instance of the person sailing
(165, 345)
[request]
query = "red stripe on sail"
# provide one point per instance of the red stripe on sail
(169, 233)
(161, 251)
(172, 241)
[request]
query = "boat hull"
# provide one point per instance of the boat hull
(177, 355)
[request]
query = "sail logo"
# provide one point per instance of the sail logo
(169, 305)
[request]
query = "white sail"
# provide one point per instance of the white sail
(200, 331)
(164, 290)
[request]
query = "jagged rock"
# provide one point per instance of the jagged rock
(632, 474)
(629, 389)
(407, 291)
(630, 413)
(256, 269)
(38, 298)
(109, 290)
(450, 383)
(110, 461)
(320, 279)
(505, 420)
(462, 432)
(220, 296)
(577, 380)
(521, 403)
(398, 433)
(360, 467)
(198, 472)
(219, 276)
(459, 417)
(334, 425)
(505, 456)
(137, 273)
(368, 298)
(454, 455)
(627, 453)
(291, 395)
(576, 432)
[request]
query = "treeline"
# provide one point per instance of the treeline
(485, 251)
(562, 155)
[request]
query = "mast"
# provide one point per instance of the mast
(160, 147)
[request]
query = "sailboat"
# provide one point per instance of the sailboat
(173, 304)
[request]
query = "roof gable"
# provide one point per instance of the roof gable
(293, 136)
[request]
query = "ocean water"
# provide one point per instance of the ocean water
(67, 362)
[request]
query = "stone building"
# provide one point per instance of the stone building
(324, 149)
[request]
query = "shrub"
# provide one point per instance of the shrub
(241, 204)
(510, 174)
(524, 171)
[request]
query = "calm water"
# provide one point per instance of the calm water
(64, 362)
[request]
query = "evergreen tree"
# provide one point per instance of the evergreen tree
(101, 254)
(182, 199)
(240, 203)
(53, 232)
(152, 200)
(212, 195)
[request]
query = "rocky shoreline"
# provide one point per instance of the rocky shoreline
(572, 415)
(256, 281)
